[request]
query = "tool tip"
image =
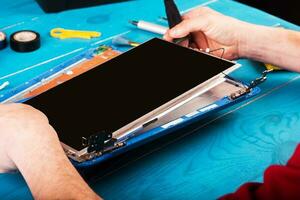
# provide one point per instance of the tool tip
(133, 22)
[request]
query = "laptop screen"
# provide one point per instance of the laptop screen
(124, 89)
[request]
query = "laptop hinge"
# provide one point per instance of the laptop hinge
(99, 142)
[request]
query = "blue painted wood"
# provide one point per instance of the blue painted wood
(236, 146)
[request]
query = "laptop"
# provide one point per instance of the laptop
(99, 110)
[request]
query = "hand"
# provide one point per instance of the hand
(212, 30)
(28, 143)
(16, 120)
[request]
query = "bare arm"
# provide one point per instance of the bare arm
(276, 46)
(213, 30)
(29, 143)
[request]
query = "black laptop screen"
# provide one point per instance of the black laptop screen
(125, 88)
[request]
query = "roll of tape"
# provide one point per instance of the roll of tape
(25, 41)
(3, 41)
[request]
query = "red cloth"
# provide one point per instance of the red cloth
(280, 182)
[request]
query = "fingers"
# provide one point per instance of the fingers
(195, 20)
(191, 22)
(188, 26)
(200, 39)
(184, 43)
(167, 36)
(195, 26)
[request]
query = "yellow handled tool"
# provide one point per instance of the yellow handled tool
(65, 34)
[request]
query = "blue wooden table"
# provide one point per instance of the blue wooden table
(204, 161)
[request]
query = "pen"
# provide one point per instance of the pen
(174, 18)
(173, 14)
(147, 26)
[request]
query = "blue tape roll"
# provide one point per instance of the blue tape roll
(3, 41)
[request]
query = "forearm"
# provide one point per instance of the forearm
(276, 46)
(46, 169)
(29, 143)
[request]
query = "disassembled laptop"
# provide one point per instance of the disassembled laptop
(101, 143)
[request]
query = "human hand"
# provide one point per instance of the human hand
(28, 143)
(16, 121)
(210, 29)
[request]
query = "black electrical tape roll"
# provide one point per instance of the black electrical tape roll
(3, 42)
(25, 41)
